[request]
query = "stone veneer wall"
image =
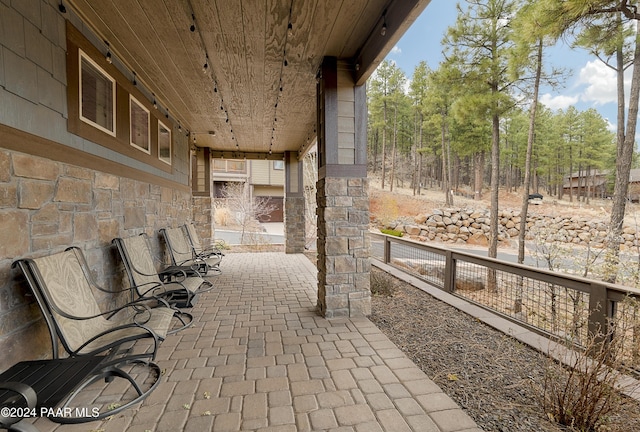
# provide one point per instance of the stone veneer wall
(203, 218)
(46, 206)
(294, 224)
(343, 247)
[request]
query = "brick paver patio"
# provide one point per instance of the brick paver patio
(260, 358)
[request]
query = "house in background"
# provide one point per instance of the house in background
(264, 178)
(599, 184)
(582, 183)
(634, 185)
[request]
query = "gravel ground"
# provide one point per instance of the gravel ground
(490, 375)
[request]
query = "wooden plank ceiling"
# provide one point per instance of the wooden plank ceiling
(258, 91)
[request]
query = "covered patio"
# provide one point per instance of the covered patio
(111, 113)
(259, 357)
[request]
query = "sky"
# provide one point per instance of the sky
(590, 84)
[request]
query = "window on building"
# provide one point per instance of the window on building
(236, 166)
(278, 165)
(139, 125)
(97, 96)
(230, 165)
(164, 143)
(219, 165)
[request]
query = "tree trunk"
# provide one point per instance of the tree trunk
(623, 166)
(375, 149)
(527, 160)
(416, 164)
(570, 173)
(384, 142)
(445, 171)
(478, 167)
(447, 184)
(393, 151)
(495, 180)
(586, 180)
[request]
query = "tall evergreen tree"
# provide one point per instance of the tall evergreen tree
(386, 90)
(481, 41)
(418, 92)
(600, 25)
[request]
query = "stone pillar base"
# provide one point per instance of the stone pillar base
(343, 247)
(203, 218)
(294, 224)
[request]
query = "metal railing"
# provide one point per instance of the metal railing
(554, 304)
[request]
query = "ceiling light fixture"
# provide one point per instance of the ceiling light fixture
(61, 7)
(205, 67)
(193, 23)
(383, 31)
(155, 103)
(108, 55)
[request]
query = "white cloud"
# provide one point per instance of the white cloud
(558, 102)
(407, 85)
(612, 127)
(600, 82)
(396, 50)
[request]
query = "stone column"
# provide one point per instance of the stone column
(343, 194)
(202, 195)
(294, 221)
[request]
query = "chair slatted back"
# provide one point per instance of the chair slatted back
(61, 280)
(178, 245)
(139, 261)
(193, 238)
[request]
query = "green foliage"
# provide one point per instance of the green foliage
(391, 232)
(489, 59)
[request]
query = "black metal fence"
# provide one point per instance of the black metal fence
(554, 304)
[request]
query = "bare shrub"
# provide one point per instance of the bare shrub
(590, 391)
(222, 217)
(245, 210)
(310, 179)
(382, 283)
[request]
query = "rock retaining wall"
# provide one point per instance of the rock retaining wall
(472, 226)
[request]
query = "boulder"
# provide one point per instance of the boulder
(453, 229)
(412, 229)
(471, 282)
(420, 219)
